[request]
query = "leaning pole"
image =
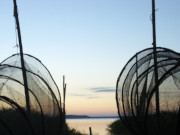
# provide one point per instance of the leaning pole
(22, 58)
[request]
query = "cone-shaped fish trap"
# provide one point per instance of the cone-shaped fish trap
(44, 98)
(137, 92)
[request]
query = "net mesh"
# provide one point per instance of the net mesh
(136, 92)
(45, 103)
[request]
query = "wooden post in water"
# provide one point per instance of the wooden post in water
(22, 58)
(90, 132)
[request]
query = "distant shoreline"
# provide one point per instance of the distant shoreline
(88, 117)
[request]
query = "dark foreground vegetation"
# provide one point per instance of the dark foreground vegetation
(168, 125)
(73, 131)
(14, 122)
(117, 127)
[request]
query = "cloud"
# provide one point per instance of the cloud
(92, 97)
(78, 95)
(100, 88)
(103, 89)
(83, 95)
(106, 91)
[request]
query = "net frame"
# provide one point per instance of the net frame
(137, 78)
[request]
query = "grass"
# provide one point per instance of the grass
(12, 122)
(167, 125)
(73, 131)
(117, 127)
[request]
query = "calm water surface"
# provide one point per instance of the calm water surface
(98, 125)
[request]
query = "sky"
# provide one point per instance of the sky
(88, 41)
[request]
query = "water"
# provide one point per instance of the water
(98, 125)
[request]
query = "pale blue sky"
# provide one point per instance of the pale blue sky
(88, 41)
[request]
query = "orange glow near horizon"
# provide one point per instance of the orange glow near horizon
(83, 106)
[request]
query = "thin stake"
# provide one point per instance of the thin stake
(90, 132)
(137, 95)
(64, 106)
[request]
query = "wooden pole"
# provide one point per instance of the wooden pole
(155, 57)
(22, 58)
(155, 66)
(90, 131)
